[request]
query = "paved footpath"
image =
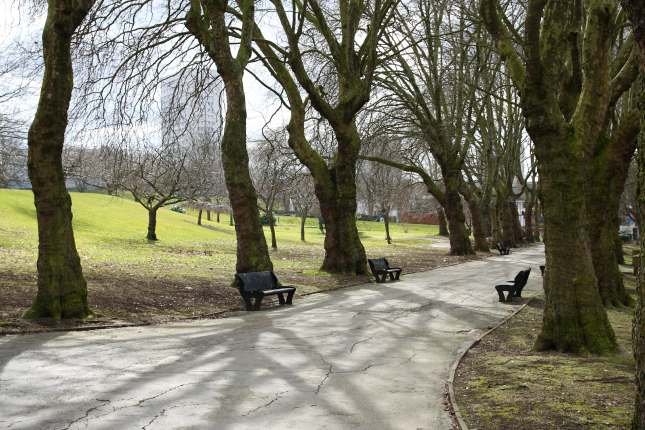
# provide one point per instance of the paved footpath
(368, 357)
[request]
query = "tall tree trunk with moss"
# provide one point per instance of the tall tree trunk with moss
(62, 290)
(206, 21)
(636, 12)
(564, 121)
(608, 180)
(344, 251)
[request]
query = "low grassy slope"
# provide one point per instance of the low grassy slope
(117, 259)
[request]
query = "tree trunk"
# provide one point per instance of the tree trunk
(199, 217)
(344, 252)
(618, 248)
(336, 193)
(274, 242)
(303, 220)
(481, 244)
(209, 26)
(208, 215)
(528, 223)
(152, 224)
(443, 223)
(507, 225)
(574, 318)
(217, 216)
(518, 236)
(62, 290)
(231, 221)
(386, 221)
(636, 10)
(459, 238)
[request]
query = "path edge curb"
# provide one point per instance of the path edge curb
(452, 400)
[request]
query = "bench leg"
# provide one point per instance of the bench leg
(258, 303)
(391, 276)
(500, 293)
(281, 298)
(397, 274)
(290, 297)
(247, 303)
(509, 296)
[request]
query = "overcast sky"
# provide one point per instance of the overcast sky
(17, 28)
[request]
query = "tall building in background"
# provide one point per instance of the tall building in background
(189, 111)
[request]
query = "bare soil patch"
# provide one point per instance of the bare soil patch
(119, 298)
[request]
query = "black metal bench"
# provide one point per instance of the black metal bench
(504, 247)
(513, 287)
(254, 286)
(381, 270)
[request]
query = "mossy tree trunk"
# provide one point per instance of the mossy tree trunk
(607, 179)
(481, 244)
(636, 12)
(206, 21)
(336, 192)
(62, 290)
(443, 223)
(459, 238)
(564, 122)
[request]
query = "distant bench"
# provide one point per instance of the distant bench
(513, 287)
(381, 270)
(503, 247)
(254, 286)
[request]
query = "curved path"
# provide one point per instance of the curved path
(367, 357)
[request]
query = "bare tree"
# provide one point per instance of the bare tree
(273, 166)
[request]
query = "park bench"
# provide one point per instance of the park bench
(254, 286)
(513, 287)
(504, 247)
(381, 270)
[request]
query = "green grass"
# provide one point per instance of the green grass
(110, 236)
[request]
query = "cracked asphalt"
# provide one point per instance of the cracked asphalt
(374, 356)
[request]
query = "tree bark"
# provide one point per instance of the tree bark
(199, 217)
(274, 242)
(386, 222)
(152, 224)
(459, 239)
(574, 318)
(443, 223)
(208, 215)
(481, 244)
(636, 11)
(206, 21)
(217, 217)
(303, 220)
(62, 289)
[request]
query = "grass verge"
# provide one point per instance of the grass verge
(502, 384)
(187, 272)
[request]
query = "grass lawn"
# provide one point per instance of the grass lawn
(188, 271)
(502, 384)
